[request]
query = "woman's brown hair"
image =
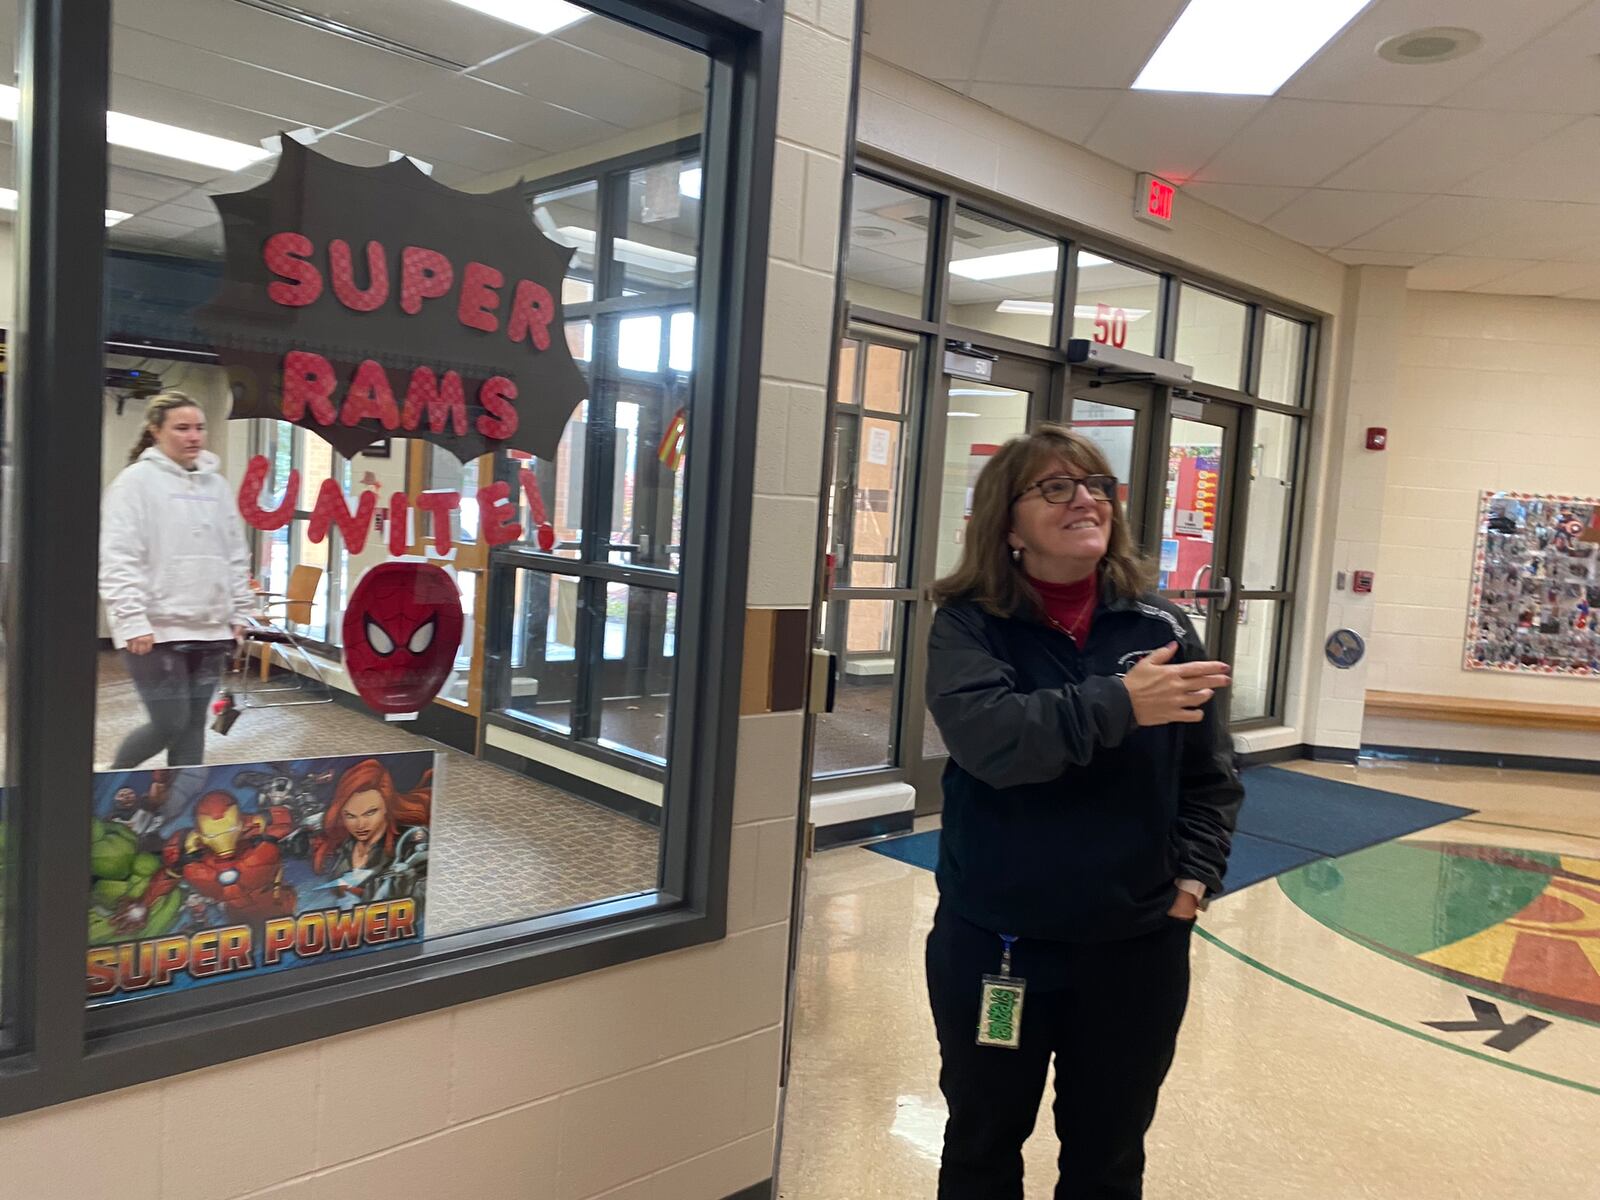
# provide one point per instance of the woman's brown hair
(155, 416)
(986, 575)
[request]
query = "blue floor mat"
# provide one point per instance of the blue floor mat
(1288, 820)
(1330, 817)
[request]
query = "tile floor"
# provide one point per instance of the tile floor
(1305, 1067)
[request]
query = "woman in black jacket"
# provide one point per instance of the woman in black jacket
(1089, 805)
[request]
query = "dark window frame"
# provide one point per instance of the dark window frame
(55, 1050)
(945, 198)
(594, 567)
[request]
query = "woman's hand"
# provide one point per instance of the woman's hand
(142, 645)
(1165, 693)
(1185, 906)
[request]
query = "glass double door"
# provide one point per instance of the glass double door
(984, 409)
(1176, 459)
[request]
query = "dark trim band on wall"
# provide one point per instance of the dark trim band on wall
(1480, 758)
(1263, 758)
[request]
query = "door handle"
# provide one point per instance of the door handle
(1224, 595)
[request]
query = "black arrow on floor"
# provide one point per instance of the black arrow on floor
(1487, 1019)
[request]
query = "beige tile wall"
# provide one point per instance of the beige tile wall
(1345, 529)
(1496, 392)
(655, 1080)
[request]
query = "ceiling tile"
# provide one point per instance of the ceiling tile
(1440, 226)
(184, 174)
(177, 214)
(1443, 147)
(189, 111)
(143, 183)
(1377, 258)
(1087, 43)
(597, 87)
(279, 44)
(1068, 113)
(429, 139)
(939, 45)
(143, 56)
(1564, 166)
(1350, 69)
(149, 227)
(1554, 73)
(476, 104)
(1544, 230)
(450, 31)
(642, 51)
(1169, 134)
(499, 110)
(1450, 273)
(1242, 199)
(1301, 142)
(1545, 279)
(1327, 218)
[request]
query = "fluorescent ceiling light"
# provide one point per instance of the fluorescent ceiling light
(689, 182)
(171, 141)
(963, 414)
(1039, 261)
(1085, 259)
(155, 137)
(8, 202)
(639, 254)
(1243, 47)
(541, 16)
(1043, 308)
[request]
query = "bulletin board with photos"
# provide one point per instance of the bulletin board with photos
(1536, 586)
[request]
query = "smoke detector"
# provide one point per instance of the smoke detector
(871, 233)
(1422, 47)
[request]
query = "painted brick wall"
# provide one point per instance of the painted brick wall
(656, 1080)
(1494, 392)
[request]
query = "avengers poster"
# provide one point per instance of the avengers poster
(203, 874)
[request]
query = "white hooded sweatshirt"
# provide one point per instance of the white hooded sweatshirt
(173, 559)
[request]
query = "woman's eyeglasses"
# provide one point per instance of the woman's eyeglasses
(1063, 489)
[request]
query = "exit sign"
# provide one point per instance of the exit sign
(1152, 200)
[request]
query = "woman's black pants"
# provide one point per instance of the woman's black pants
(176, 681)
(1109, 1014)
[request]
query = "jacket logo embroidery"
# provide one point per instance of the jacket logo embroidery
(1130, 660)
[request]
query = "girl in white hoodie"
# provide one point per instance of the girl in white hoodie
(175, 578)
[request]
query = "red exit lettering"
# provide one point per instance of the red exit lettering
(1160, 200)
(1153, 199)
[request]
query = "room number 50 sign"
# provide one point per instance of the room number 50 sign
(1110, 325)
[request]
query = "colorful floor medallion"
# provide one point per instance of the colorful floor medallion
(1519, 924)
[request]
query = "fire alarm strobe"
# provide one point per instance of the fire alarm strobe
(1377, 439)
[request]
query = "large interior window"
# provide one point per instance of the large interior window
(931, 271)
(555, 647)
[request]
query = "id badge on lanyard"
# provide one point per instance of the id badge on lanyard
(1000, 1008)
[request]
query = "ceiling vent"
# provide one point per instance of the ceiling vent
(1421, 47)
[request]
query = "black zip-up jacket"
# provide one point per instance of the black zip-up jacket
(1063, 818)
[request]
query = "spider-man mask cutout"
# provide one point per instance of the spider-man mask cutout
(402, 627)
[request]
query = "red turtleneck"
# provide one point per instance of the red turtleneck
(1070, 606)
